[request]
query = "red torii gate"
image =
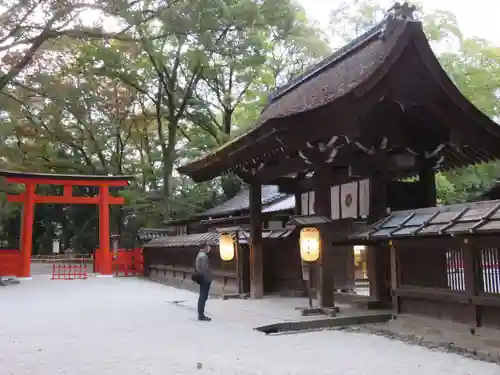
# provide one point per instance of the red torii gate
(29, 198)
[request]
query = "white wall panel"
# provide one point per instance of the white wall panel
(364, 198)
(334, 199)
(349, 200)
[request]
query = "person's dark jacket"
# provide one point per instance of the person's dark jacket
(203, 266)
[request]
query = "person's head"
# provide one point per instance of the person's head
(205, 247)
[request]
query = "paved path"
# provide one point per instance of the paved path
(132, 327)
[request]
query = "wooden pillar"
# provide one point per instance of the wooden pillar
(379, 272)
(427, 180)
(256, 256)
(28, 217)
(395, 277)
(472, 279)
(305, 267)
(239, 262)
(105, 261)
(378, 255)
(325, 274)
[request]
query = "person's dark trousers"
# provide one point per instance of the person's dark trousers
(202, 299)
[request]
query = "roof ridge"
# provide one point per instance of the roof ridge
(269, 194)
(318, 67)
(396, 12)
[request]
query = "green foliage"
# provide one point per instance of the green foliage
(171, 81)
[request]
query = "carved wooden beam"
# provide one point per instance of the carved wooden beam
(362, 167)
(335, 151)
(283, 168)
(293, 186)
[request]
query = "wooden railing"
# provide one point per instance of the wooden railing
(224, 282)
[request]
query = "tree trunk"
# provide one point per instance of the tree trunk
(168, 165)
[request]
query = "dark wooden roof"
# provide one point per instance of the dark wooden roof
(241, 201)
(49, 176)
(267, 234)
(309, 106)
(211, 238)
(467, 218)
(272, 201)
(146, 234)
(284, 204)
(188, 240)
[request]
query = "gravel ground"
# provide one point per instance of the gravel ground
(131, 327)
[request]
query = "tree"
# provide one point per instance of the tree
(351, 18)
(261, 53)
(27, 25)
(199, 71)
(257, 59)
(90, 121)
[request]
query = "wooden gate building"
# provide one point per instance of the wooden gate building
(342, 137)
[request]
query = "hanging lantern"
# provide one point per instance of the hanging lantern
(309, 244)
(226, 247)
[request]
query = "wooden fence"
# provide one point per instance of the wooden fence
(454, 278)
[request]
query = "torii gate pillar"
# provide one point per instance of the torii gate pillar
(106, 263)
(26, 240)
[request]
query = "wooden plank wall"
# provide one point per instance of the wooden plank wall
(449, 278)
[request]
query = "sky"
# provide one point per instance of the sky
(478, 18)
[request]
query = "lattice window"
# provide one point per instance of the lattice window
(455, 269)
(490, 270)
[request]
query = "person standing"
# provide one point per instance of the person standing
(202, 268)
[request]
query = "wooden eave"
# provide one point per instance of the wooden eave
(151, 233)
(245, 217)
(291, 122)
(232, 216)
(475, 136)
(456, 220)
(212, 238)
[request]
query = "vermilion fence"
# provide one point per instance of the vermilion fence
(126, 262)
(69, 271)
(10, 262)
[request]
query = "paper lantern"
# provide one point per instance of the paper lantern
(226, 247)
(309, 244)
